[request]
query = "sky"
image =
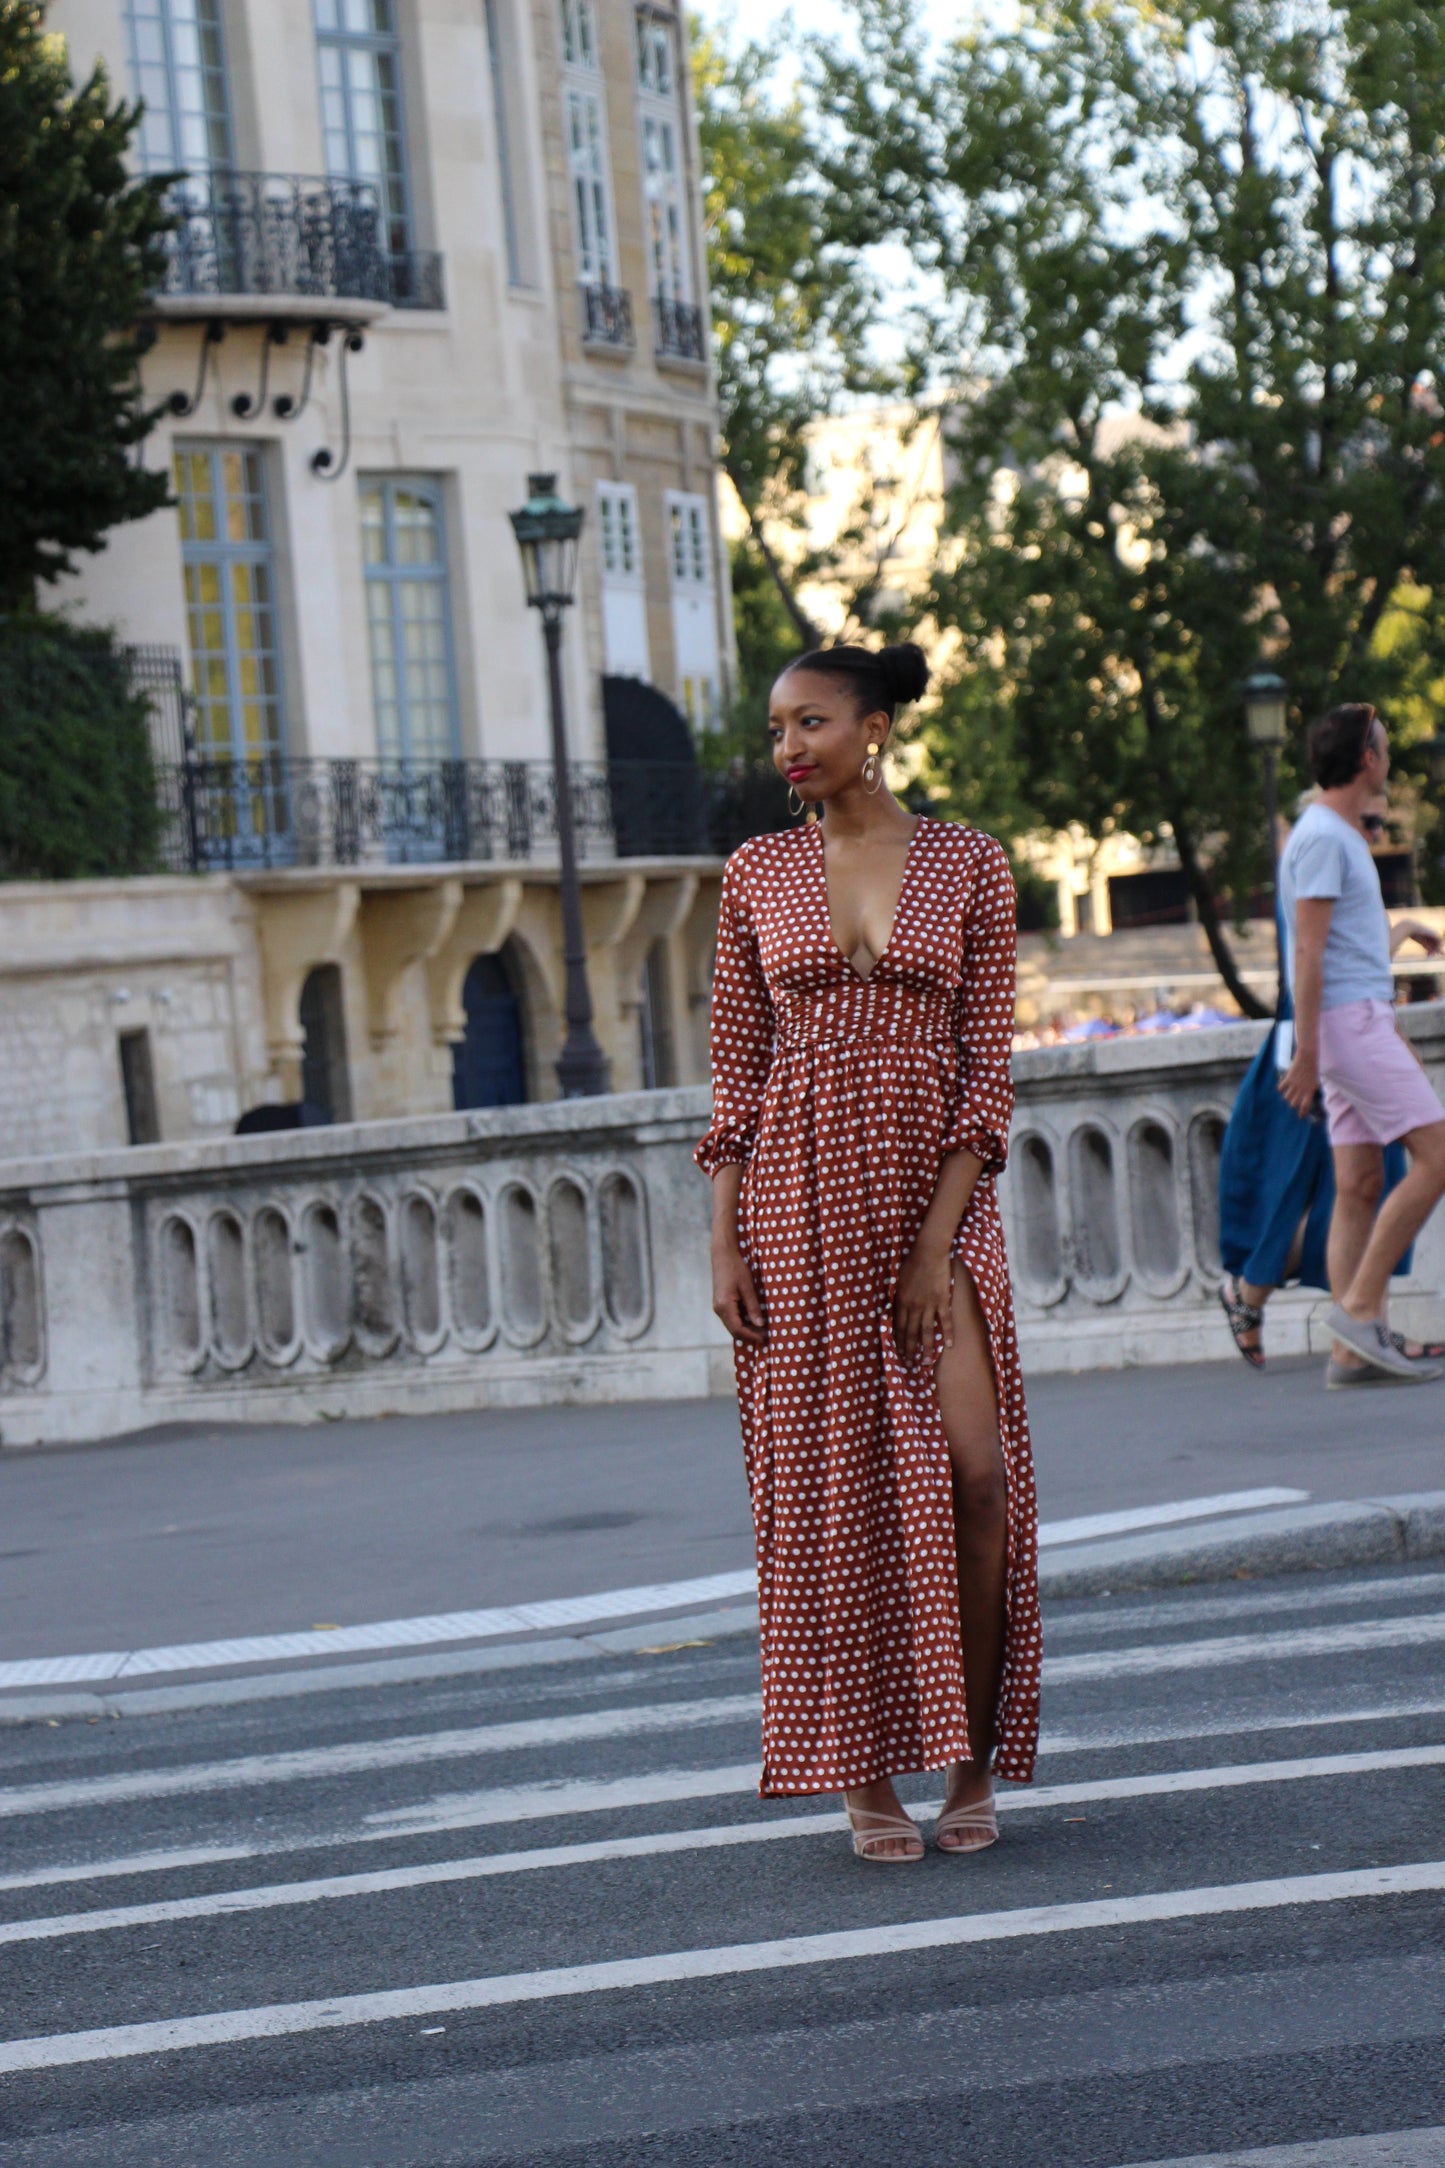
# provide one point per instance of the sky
(942, 16)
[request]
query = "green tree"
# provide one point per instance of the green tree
(79, 253)
(1191, 274)
(77, 788)
(794, 301)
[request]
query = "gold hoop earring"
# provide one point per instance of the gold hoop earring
(872, 772)
(795, 810)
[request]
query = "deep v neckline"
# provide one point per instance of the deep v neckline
(852, 969)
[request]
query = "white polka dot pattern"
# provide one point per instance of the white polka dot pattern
(840, 1097)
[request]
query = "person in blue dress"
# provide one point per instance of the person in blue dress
(1277, 1187)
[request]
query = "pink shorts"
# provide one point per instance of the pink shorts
(1375, 1090)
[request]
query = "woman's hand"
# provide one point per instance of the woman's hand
(734, 1296)
(923, 1298)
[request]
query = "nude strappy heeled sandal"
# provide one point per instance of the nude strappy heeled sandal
(979, 1818)
(870, 1828)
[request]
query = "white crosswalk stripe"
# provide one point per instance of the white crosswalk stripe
(412, 1751)
(563, 1797)
(277, 2020)
(633, 1859)
(1161, 1784)
(1356, 1635)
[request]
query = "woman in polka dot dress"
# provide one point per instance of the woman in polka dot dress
(862, 1020)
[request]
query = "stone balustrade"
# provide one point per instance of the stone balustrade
(559, 1252)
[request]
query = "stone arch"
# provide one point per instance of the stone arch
(489, 1062)
(325, 1067)
(542, 1024)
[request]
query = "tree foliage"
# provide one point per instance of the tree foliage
(1190, 265)
(793, 300)
(77, 788)
(79, 252)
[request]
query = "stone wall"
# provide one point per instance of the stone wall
(559, 1253)
(211, 968)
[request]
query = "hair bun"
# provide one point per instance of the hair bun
(904, 668)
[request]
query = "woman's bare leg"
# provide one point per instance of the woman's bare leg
(968, 1401)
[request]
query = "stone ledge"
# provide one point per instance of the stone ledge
(1303, 1538)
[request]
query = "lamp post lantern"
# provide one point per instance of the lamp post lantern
(1266, 712)
(547, 530)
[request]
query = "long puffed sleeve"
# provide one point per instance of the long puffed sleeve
(986, 1014)
(742, 1033)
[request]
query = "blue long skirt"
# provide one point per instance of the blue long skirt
(1275, 1170)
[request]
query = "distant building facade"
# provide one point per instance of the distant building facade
(427, 247)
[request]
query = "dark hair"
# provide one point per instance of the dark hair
(878, 677)
(1337, 744)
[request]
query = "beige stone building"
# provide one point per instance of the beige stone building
(428, 247)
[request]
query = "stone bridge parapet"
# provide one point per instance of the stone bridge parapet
(559, 1252)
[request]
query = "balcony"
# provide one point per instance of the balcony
(681, 335)
(607, 319)
(223, 815)
(276, 245)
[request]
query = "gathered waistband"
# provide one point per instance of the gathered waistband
(873, 1033)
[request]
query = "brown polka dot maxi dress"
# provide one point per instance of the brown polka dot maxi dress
(840, 1097)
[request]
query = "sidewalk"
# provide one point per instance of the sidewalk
(199, 1537)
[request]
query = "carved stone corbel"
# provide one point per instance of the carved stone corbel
(295, 931)
(485, 916)
(400, 927)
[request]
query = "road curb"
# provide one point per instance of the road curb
(1301, 1539)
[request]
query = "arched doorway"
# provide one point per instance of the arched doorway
(325, 1074)
(488, 1069)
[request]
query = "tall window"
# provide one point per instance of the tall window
(358, 55)
(409, 621)
(584, 98)
(510, 227)
(179, 64)
(663, 186)
(230, 600)
(694, 607)
(624, 596)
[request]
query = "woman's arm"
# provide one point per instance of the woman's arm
(734, 1294)
(742, 1032)
(923, 1297)
(976, 1140)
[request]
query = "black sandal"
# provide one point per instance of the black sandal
(1431, 1351)
(1243, 1317)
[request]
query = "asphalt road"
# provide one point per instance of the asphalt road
(1217, 1923)
(199, 1535)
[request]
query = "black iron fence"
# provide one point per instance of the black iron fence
(607, 316)
(274, 812)
(681, 335)
(290, 234)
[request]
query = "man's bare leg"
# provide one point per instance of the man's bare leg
(1359, 1179)
(1400, 1218)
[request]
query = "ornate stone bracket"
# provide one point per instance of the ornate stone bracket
(484, 917)
(295, 932)
(400, 927)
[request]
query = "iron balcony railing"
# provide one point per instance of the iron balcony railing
(276, 812)
(680, 333)
(292, 235)
(607, 317)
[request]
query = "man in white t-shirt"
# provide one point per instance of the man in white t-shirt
(1347, 1041)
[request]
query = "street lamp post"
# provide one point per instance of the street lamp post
(1266, 712)
(547, 530)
